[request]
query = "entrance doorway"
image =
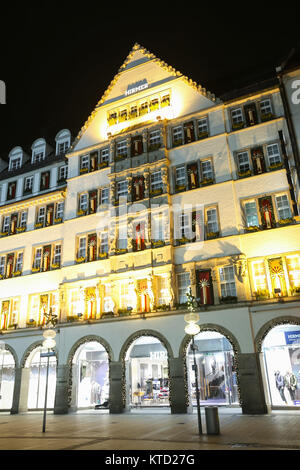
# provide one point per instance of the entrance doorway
(147, 375)
(7, 379)
(281, 353)
(37, 379)
(91, 371)
(217, 376)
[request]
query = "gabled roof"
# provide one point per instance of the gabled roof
(141, 55)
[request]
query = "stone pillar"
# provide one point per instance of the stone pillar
(17, 389)
(251, 385)
(178, 399)
(61, 392)
(115, 388)
(24, 386)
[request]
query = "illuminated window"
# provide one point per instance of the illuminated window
(212, 225)
(124, 295)
(206, 170)
(251, 214)
(84, 162)
(82, 247)
(202, 127)
(273, 154)
(259, 275)
(156, 181)
(83, 202)
(283, 207)
(122, 148)
(162, 291)
(122, 190)
(74, 302)
(177, 135)
(104, 196)
(180, 176)
(293, 267)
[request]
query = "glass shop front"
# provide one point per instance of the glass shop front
(217, 376)
(37, 379)
(281, 353)
(147, 376)
(7, 379)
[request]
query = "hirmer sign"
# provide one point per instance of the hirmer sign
(136, 87)
(2, 92)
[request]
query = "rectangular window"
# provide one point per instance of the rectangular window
(243, 162)
(104, 196)
(74, 302)
(124, 295)
(266, 108)
(177, 135)
(83, 202)
(122, 148)
(212, 226)
(180, 176)
(207, 171)
(227, 281)
(251, 214)
(283, 207)
(237, 117)
(162, 290)
(59, 210)
(185, 225)
(57, 255)
(2, 265)
(41, 215)
(293, 267)
(15, 163)
(82, 247)
(122, 191)
(23, 219)
(273, 154)
(28, 184)
(63, 173)
(202, 127)
(38, 157)
(183, 282)
(259, 276)
(154, 139)
(62, 147)
(6, 224)
(38, 258)
(19, 262)
(104, 155)
(104, 243)
(156, 181)
(84, 162)
(122, 238)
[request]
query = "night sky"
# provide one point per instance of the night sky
(57, 61)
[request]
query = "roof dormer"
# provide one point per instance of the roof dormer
(16, 158)
(63, 141)
(40, 149)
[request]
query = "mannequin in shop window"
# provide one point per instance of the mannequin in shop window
(291, 384)
(280, 385)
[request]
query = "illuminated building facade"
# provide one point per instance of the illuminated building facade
(165, 188)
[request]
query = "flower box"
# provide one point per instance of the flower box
(103, 255)
(153, 147)
(202, 135)
(211, 235)
(83, 170)
(107, 315)
(58, 220)
(177, 142)
(183, 241)
(229, 299)
(120, 251)
(4, 234)
(261, 294)
(16, 273)
(103, 165)
(276, 166)
(237, 125)
(287, 221)
(266, 117)
(180, 187)
(244, 174)
(121, 157)
(39, 225)
(156, 192)
(81, 212)
(207, 181)
(81, 259)
(21, 229)
(252, 228)
(157, 243)
(55, 266)
(35, 270)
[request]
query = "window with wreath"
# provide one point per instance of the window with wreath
(14, 223)
(11, 265)
(87, 248)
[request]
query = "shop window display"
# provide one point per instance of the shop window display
(281, 350)
(91, 367)
(147, 381)
(7, 379)
(216, 368)
(37, 380)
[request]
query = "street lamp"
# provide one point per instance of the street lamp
(193, 329)
(49, 343)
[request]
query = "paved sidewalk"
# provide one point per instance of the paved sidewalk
(98, 430)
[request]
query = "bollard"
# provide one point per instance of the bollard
(212, 420)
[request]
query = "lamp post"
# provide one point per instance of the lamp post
(193, 329)
(49, 343)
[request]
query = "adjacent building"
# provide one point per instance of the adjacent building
(166, 190)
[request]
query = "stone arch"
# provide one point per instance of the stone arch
(31, 348)
(267, 327)
(72, 352)
(145, 332)
(219, 329)
(9, 348)
(129, 342)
